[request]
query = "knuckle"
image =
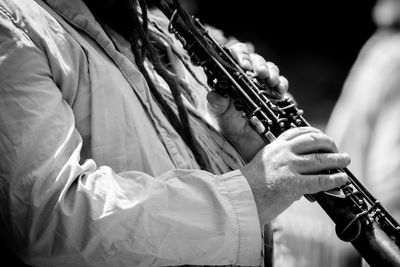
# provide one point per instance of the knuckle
(314, 137)
(337, 160)
(319, 159)
(321, 181)
(311, 140)
(323, 141)
(298, 161)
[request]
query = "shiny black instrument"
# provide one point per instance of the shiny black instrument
(358, 216)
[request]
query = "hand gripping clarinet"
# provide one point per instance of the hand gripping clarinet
(359, 217)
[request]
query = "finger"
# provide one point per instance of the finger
(322, 182)
(241, 53)
(319, 162)
(294, 132)
(260, 67)
(217, 34)
(217, 104)
(312, 142)
(250, 47)
(283, 85)
(273, 78)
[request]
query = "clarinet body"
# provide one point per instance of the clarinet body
(359, 218)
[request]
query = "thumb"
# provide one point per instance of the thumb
(217, 104)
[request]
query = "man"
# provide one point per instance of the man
(103, 162)
(365, 120)
(371, 131)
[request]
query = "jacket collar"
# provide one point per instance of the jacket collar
(79, 15)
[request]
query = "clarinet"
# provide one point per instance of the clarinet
(358, 216)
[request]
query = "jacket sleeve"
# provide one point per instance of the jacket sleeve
(60, 211)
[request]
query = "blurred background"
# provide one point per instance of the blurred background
(314, 43)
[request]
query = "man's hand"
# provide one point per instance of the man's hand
(230, 121)
(291, 166)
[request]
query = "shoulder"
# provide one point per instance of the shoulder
(16, 31)
(29, 24)
(24, 14)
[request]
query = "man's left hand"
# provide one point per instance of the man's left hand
(230, 121)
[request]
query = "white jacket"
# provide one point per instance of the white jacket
(91, 172)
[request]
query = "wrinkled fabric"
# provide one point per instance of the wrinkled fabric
(369, 130)
(365, 120)
(91, 171)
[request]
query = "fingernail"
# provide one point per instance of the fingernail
(345, 178)
(347, 157)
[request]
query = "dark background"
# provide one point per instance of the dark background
(314, 43)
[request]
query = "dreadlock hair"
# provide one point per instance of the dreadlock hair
(135, 29)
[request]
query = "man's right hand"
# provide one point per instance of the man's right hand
(291, 166)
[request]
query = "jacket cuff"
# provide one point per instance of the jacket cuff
(248, 223)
